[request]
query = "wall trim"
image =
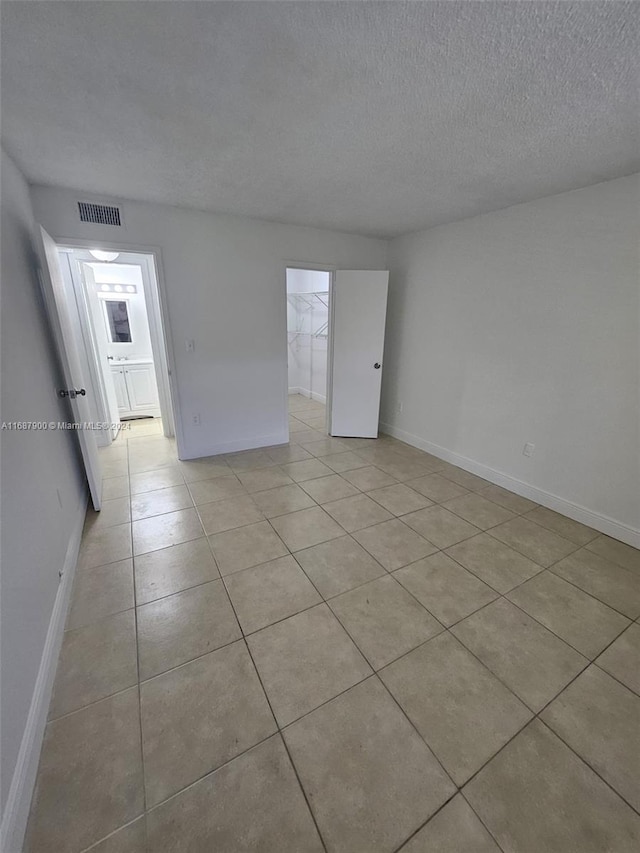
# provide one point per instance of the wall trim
(312, 395)
(602, 523)
(16, 813)
(281, 437)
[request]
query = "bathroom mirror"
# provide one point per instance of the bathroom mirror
(118, 325)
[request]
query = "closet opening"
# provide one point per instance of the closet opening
(308, 319)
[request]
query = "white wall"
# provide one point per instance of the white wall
(224, 278)
(43, 501)
(523, 326)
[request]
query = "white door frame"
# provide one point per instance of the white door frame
(314, 267)
(159, 325)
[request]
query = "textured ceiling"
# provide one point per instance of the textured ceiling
(372, 117)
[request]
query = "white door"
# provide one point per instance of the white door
(359, 311)
(141, 385)
(59, 310)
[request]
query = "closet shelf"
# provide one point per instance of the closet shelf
(307, 303)
(311, 300)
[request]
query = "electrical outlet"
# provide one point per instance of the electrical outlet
(195, 419)
(190, 346)
(528, 449)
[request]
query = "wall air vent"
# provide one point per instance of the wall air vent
(99, 214)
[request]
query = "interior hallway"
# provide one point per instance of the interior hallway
(347, 645)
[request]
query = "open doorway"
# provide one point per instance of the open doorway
(121, 326)
(308, 319)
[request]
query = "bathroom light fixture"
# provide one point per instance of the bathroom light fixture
(101, 255)
(116, 288)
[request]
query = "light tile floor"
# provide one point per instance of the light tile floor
(343, 645)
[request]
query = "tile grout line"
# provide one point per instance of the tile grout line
(138, 687)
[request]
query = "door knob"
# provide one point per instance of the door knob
(72, 392)
(377, 365)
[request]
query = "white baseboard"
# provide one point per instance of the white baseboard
(16, 813)
(312, 395)
(602, 523)
(241, 444)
